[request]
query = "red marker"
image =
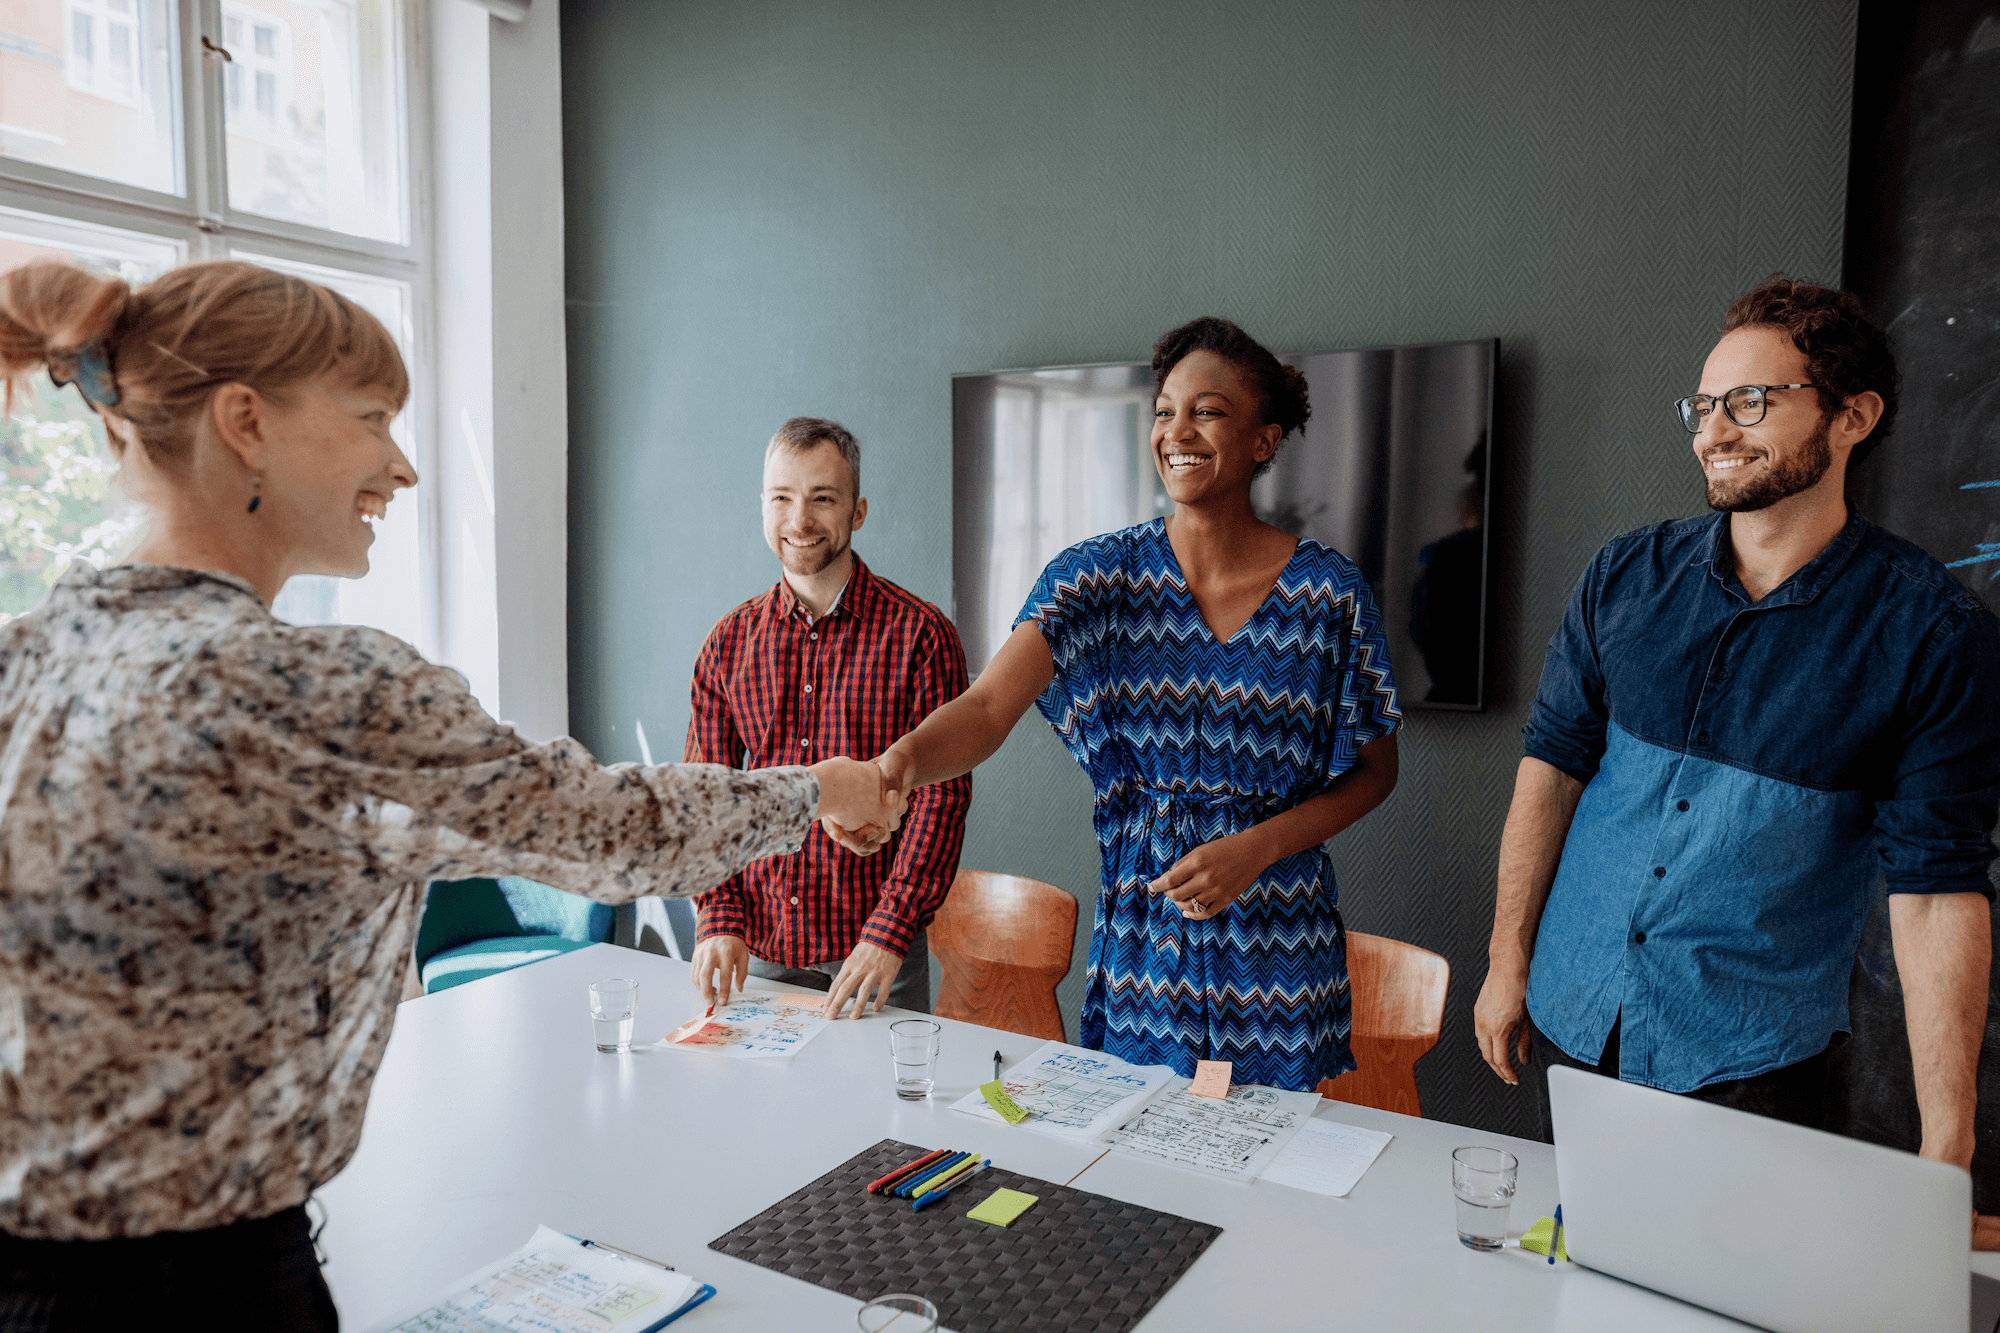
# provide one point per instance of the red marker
(904, 1172)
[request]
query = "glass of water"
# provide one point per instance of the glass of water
(1482, 1180)
(901, 1313)
(612, 1006)
(913, 1045)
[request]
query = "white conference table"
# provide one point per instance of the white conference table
(493, 1112)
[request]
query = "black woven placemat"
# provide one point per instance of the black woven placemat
(1073, 1261)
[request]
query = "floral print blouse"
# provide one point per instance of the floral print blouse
(215, 829)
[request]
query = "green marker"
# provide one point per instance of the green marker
(996, 1097)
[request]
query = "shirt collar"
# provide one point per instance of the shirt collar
(854, 597)
(1806, 583)
(148, 578)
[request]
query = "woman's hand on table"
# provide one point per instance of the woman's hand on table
(858, 806)
(721, 965)
(1213, 875)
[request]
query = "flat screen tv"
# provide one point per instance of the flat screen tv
(1393, 471)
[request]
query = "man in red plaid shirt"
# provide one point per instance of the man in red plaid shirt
(833, 661)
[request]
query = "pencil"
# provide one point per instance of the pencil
(905, 1169)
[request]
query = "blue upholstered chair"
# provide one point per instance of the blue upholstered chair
(472, 928)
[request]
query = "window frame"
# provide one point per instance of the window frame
(201, 221)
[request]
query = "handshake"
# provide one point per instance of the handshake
(861, 802)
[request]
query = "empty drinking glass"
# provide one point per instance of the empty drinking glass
(612, 1006)
(1482, 1180)
(913, 1045)
(901, 1313)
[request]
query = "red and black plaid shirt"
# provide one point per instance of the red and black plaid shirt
(772, 687)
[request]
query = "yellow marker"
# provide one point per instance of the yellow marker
(996, 1097)
(950, 1175)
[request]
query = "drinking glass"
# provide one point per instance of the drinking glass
(612, 1006)
(1482, 1180)
(900, 1313)
(913, 1045)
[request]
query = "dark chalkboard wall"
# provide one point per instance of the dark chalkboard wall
(1923, 250)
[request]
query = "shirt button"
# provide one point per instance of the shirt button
(815, 636)
(1659, 872)
(1680, 805)
(1638, 937)
(804, 743)
(1701, 738)
(809, 689)
(795, 902)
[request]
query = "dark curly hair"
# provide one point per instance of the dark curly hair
(1846, 352)
(1281, 389)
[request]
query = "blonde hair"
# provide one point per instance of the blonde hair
(173, 342)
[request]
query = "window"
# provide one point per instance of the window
(127, 145)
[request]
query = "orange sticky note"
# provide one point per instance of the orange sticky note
(694, 1027)
(1211, 1078)
(802, 1001)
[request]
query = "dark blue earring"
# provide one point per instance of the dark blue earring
(257, 484)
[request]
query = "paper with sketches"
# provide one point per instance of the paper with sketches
(1232, 1138)
(800, 1001)
(1211, 1078)
(1071, 1092)
(1326, 1157)
(751, 1027)
(553, 1284)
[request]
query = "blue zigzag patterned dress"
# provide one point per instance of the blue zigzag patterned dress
(1187, 740)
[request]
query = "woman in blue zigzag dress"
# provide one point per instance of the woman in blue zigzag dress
(1227, 687)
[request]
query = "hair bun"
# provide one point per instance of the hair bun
(49, 308)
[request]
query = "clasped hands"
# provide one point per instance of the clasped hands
(866, 833)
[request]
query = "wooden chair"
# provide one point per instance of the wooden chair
(1003, 942)
(1398, 992)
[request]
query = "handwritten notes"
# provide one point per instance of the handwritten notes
(553, 1284)
(1233, 1138)
(996, 1097)
(1326, 1157)
(1071, 1092)
(1211, 1078)
(751, 1027)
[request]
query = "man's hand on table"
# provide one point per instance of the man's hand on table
(869, 968)
(720, 957)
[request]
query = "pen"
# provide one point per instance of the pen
(902, 1172)
(1555, 1237)
(600, 1245)
(939, 1182)
(937, 1194)
(996, 1064)
(914, 1183)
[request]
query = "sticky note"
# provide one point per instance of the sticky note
(996, 1097)
(694, 1027)
(1002, 1207)
(1211, 1078)
(802, 1001)
(1537, 1238)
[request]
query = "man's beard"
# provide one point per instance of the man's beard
(805, 563)
(1778, 483)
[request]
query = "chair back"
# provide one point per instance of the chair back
(458, 912)
(1398, 992)
(1002, 943)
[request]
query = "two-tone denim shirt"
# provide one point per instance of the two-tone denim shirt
(1753, 770)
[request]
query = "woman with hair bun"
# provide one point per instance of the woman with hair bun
(1227, 687)
(215, 828)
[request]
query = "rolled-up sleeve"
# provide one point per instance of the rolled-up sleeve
(1937, 818)
(1567, 720)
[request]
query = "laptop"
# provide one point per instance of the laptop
(1794, 1229)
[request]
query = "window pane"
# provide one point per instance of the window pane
(56, 500)
(322, 144)
(90, 86)
(390, 597)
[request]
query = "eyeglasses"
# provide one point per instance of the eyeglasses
(1745, 405)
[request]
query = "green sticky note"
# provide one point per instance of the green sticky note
(996, 1097)
(1537, 1238)
(1002, 1207)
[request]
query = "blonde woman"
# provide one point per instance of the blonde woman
(215, 827)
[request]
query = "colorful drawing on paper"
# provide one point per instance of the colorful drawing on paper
(752, 1027)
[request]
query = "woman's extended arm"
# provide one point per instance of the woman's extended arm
(1210, 877)
(965, 732)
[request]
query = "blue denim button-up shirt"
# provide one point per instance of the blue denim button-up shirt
(1750, 770)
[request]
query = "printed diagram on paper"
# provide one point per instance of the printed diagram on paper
(1232, 1138)
(554, 1285)
(755, 1027)
(1073, 1092)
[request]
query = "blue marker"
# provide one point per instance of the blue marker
(1555, 1237)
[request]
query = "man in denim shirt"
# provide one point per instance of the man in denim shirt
(1744, 720)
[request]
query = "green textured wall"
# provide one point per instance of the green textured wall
(797, 207)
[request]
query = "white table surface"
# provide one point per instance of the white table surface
(493, 1112)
